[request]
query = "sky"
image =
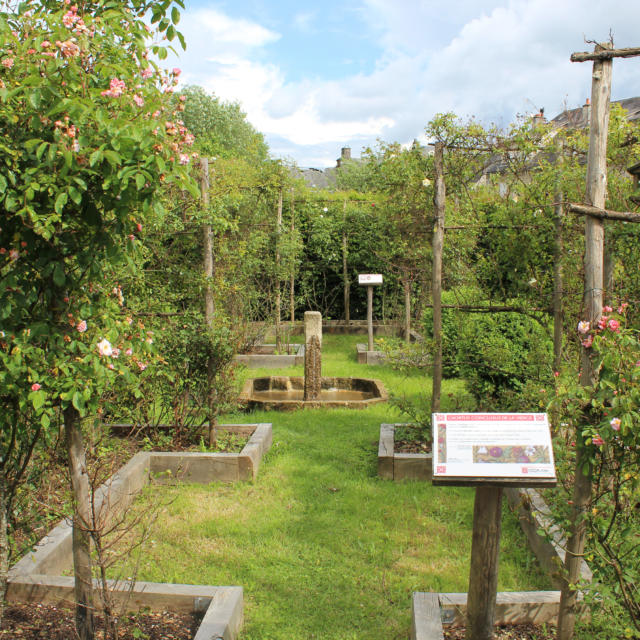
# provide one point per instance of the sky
(316, 77)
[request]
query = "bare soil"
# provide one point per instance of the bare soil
(408, 439)
(36, 622)
(508, 632)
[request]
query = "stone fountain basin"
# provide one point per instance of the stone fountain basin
(286, 393)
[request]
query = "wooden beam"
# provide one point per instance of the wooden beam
(603, 214)
(499, 309)
(607, 54)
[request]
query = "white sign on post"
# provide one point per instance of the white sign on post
(493, 446)
(370, 278)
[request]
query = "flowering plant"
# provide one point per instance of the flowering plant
(606, 418)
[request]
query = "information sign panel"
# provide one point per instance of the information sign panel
(370, 278)
(492, 448)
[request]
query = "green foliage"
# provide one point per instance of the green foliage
(220, 128)
(501, 354)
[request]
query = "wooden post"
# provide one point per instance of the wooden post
(593, 286)
(439, 199)
(558, 283)
(278, 295)
(345, 270)
(207, 243)
(483, 574)
(292, 301)
(407, 310)
(209, 309)
(370, 316)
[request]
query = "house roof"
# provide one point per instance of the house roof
(579, 119)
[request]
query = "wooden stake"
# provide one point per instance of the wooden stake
(593, 285)
(483, 574)
(439, 199)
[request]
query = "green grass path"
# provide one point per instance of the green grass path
(322, 547)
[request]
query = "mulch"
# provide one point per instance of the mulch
(36, 622)
(508, 632)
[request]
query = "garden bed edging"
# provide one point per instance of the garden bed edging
(36, 577)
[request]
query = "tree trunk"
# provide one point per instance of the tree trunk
(82, 525)
(439, 199)
(593, 286)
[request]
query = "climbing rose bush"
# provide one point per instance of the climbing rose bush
(607, 416)
(90, 132)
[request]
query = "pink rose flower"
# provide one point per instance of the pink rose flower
(597, 440)
(607, 309)
(138, 100)
(35, 387)
(615, 424)
(82, 326)
(587, 342)
(7, 63)
(583, 326)
(147, 73)
(614, 325)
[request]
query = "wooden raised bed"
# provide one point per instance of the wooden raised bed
(401, 466)
(37, 576)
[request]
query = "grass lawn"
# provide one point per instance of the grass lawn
(322, 547)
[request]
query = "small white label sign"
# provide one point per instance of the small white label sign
(493, 445)
(370, 278)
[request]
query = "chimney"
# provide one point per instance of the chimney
(345, 154)
(539, 118)
(586, 113)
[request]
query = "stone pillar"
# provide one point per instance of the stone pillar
(312, 354)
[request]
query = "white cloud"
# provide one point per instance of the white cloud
(491, 59)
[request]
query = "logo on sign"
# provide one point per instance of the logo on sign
(441, 468)
(525, 470)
